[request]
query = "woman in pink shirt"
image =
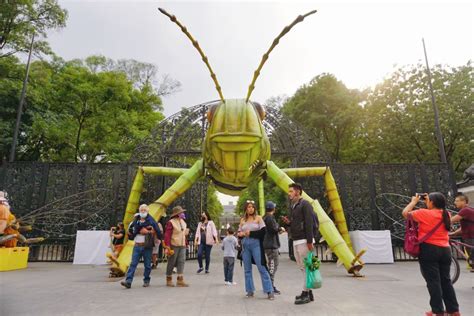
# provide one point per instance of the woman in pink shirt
(435, 253)
(206, 237)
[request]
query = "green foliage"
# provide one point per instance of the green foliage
(75, 113)
(399, 118)
(19, 19)
(394, 122)
(329, 111)
(214, 206)
(272, 193)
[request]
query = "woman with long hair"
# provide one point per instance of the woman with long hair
(252, 230)
(435, 252)
(206, 237)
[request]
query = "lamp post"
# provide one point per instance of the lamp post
(439, 136)
(22, 101)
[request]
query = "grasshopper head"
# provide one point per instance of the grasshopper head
(236, 145)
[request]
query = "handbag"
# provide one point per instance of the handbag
(239, 250)
(412, 244)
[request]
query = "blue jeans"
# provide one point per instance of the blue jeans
(138, 252)
(229, 269)
(251, 248)
(207, 253)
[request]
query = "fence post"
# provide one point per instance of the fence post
(372, 190)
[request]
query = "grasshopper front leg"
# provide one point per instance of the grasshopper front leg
(332, 195)
(186, 179)
(326, 226)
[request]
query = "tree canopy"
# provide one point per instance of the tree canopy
(394, 122)
(20, 19)
(75, 112)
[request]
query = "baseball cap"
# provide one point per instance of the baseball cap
(270, 205)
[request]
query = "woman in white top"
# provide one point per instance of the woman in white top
(206, 237)
(252, 230)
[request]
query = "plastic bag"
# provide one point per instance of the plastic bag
(313, 275)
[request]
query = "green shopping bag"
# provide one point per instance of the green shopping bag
(313, 275)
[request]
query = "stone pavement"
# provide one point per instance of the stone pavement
(64, 289)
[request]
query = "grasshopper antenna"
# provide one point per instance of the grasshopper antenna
(196, 45)
(299, 19)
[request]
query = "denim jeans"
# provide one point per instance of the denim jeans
(229, 269)
(435, 263)
(138, 252)
(207, 253)
(251, 249)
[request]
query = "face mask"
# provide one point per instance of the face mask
(182, 216)
(143, 215)
(203, 218)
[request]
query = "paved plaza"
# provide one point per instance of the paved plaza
(66, 289)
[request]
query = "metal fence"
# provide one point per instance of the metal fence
(62, 250)
(46, 186)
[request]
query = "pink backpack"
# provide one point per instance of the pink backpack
(412, 244)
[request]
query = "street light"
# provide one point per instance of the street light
(20, 105)
(439, 135)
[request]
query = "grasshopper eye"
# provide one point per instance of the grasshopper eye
(210, 112)
(260, 110)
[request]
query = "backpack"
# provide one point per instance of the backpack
(315, 226)
(412, 244)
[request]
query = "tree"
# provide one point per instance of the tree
(20, 19)
(140, 73)
(400, 119)
(11, 73)
(75, 114)
(272, 193)
(214, 206)
(329, 111)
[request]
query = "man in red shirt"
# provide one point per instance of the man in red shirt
(466, 217)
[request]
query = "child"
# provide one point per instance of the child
(229, 245)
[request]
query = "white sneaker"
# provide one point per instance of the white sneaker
(228, 283)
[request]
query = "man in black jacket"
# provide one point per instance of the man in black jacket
(271, 241)
(302, 226)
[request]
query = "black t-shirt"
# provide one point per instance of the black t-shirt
(203, 233)
(119, 241)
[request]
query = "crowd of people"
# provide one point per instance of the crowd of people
(257, 242)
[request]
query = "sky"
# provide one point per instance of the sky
(359, 42)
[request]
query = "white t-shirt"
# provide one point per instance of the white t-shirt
(139, 238)
(300, 241)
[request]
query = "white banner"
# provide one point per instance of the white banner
(91, 247)
(377, 242)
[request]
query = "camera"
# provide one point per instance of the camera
(422, 195)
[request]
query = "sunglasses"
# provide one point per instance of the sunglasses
(250, 201)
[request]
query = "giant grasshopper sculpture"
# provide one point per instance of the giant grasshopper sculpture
(236, 151)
